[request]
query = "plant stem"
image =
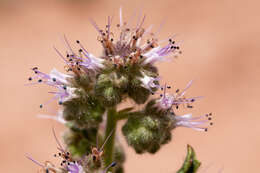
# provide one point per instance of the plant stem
(110, 128)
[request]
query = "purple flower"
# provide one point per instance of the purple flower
(133, 43)
(57, 80)
(199, 123)
(149, 82)
(167, 101)
(59, 117)
(75, 168)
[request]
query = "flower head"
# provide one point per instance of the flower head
(134, 44)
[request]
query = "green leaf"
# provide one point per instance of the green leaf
(191, 164)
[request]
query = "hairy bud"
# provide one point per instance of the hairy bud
(146, 133)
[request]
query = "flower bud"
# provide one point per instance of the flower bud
(84, 111)
(108, 90)
(146, 133)
(137, 92)
(79, 142)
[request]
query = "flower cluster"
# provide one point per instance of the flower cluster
(94, 86)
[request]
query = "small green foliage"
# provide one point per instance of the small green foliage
(191, 164)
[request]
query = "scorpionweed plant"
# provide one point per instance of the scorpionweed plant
(92, 89)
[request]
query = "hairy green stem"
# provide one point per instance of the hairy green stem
(110, 130)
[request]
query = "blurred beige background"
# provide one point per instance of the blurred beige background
(220, 51)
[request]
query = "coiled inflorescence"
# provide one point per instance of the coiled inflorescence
(94, 86)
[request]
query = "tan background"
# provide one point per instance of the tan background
(221, 52)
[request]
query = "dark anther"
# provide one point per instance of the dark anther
(177, 90)
(59, 154)
(103, 34)
(78, 68)
(68, 55)
(172, 47)
(206, 130)
(60, 102)
(55, 155)
(80, 50)
(63, 161)
(64, 87)
(54, 79)
(47, 170)
(134, 37)
(170, 40)
(161, 95)
(113, 164)
(209, 118)
(168, 87)
(177, 47)
(66, 157)
(40, 80)
(40, 105)
(35, 68)
(77, 41)
(112, 39)
(70, 59)
(192, 100)
(177, 107)
(61, 164)
(189, 106)
(210, 114)
(211, 123)
(94, 158)
(152, 46)
(30, 78)
(77, 63)
(68, 153)
(141, 56)
(152, 93)
(68, 163)
(161, 88)
(173, 42)
(130, 57)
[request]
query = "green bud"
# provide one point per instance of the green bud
(138, 93)
(82, 81)
(191, 164)
(84, 111)
(79, 142)
(108, 90)
(146, 133)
